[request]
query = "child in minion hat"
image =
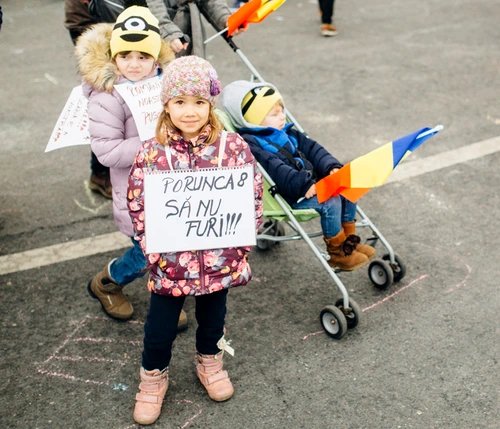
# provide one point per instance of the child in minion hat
(295, 162)
(189, 137)
(136, 29)
(131, 50)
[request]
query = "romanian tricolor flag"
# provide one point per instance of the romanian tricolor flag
(355, 179)
(253, 11)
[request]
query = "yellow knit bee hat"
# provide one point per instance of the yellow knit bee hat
(136, 29)
(258, 103)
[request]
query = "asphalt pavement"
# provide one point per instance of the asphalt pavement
(426, 352)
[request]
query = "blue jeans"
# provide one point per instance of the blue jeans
(333, 212)
(130, 266)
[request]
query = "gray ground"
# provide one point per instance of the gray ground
(426, 357)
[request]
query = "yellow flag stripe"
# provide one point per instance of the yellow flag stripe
(372, 169)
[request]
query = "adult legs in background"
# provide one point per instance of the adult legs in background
(77, 19)
(326, 10)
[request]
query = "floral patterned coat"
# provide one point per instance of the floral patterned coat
(192, 272)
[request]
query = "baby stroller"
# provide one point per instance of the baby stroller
(344, 314)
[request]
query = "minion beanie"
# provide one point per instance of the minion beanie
(258, 103)
(136, 29)
(190, 75)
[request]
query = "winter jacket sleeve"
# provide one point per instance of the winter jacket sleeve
(135, 198)
(107, 131)
(322, 161)
(292, 183)
(169, 31)
(216, 11)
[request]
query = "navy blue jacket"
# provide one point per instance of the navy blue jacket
(292, 183)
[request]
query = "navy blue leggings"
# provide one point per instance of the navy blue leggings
(160, 329)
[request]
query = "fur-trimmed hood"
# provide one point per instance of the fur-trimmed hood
(95, 64)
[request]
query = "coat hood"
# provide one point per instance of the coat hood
(95, 64)
(232, 99)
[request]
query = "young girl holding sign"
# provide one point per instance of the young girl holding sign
(130, 51)
(189, 137)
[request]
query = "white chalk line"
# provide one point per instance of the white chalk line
(57, 253)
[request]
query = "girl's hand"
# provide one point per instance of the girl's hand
(176, 45)
(311, 192)
(334, 170)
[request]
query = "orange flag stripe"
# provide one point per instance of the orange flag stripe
(240, 17)
(338, 181)
(354, 194)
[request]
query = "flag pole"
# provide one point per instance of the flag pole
(436, 129)
(214, 36)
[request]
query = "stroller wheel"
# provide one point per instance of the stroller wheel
(380, 274)
(399, 270)
(273, 228)
(352, 313)
(264, 245)
(333, 321)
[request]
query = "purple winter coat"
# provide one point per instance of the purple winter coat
(113, 132)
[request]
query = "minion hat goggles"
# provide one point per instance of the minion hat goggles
(136, 29)
(258, 103)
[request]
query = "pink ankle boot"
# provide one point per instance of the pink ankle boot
(211, 375)
(153, 386)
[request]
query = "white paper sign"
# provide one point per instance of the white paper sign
(143, 100)
(194, 210)
(72, 127)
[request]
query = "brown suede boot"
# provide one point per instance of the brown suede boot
(114, 303)
(101, 183)
(343, 254)
(350, 229)
(216, 381)
(154, 385)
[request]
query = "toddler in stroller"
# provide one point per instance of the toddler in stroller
(295, 162)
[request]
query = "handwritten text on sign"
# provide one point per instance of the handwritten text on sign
(194, 210)
(143, 100)
(72, 127)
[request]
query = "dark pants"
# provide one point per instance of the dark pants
(95, 166)
(160, 329)
(326, 7)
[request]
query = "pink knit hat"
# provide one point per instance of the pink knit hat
(190, 75)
